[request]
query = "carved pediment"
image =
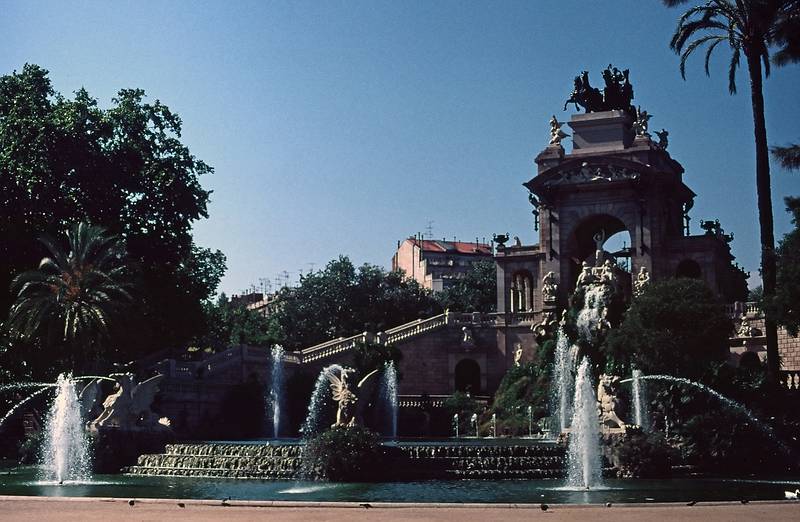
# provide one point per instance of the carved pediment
(591, 174)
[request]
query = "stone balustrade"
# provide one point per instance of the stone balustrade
(791, 380)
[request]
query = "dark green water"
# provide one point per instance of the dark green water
(24, 481)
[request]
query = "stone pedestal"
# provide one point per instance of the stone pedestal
(601, 131)
(115, 448)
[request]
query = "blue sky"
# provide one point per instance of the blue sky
(342, 127)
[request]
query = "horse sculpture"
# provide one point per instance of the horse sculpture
(617, 93)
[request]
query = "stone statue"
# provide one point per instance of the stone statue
(466, 336)
(549, 287)
(599, 239)
(608, 275)
(544, 328)
(663, 139)
(641, 123)
(344, 397)
(517, 354)
(642, 280)
(745, 329)
(517, 241)
(556, 134)
(345, 413)
(586, 276)
(607, 403)
(129, 407)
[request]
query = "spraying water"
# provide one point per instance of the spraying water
(276, 389)
(319, 399)
(66, 449)
(388, 393)
(736, 406)
(585, 465)
(530, 421)
(494, 425)
(474, 421)
(563, 379)
(639, 400)
(591, 318)
(455, 424)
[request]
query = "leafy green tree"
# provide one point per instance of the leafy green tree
(65, 160)
(749, 28)
(75, 294)
(676, 326)
(785, 306)
(340, 301)
(230, 323)
(369, 356)
(475, 292)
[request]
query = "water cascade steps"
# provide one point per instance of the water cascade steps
(407, 461)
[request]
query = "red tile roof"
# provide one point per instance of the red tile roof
(454, 247)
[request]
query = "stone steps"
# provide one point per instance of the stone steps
(407, 462)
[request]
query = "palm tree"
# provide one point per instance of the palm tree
(749, 28)
(74, 294)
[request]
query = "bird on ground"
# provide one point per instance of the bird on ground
(744, 501)
(131, 502)
(544, 507)
(366, 505)
(792, 495)
(181, 505)
(225, 501)
(608, 504)
(692, 503)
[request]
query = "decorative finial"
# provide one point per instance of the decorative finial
(556, 134)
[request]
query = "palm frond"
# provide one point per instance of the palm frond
(788, 157)
(732, 70)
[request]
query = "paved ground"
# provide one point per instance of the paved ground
(89, 510)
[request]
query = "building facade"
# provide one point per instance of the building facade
(438, 264)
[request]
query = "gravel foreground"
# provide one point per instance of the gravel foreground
(104, 509)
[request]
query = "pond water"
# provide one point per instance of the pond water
(24, 481)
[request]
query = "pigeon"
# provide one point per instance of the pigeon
(744, 501)
(131, 502)
(608, 504)
(692, 503)
(225, 501)
(181, 505)
(544, 507)
(366, 505)
(792, 495)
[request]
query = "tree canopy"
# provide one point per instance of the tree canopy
(786, 303)
(475, 292)
(340, 301)
(676, 326)
(66, 160)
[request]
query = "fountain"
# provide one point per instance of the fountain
(474, 422)
(530, 421)
(388, 395)
(639, 400)
(584, 469)
(276, 389)
(66, 454)
(319, 398)
(493, 426)
(563, 378)
(455, 425)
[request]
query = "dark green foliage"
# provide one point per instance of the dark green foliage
(676, 326)
(230, 324)
(341, 301)
(785, 306)
(522, 386)
(344, 454)
(788, 156)
(370, 356)
(123, 168)
(643, 455)
(475, 292)
(72, 300)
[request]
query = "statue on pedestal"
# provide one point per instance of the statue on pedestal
(663, 140)
(586, 277)
(128, 408)
(346, 399)
(641, 123)
(549, 287)
(556, 134)
(745, 329)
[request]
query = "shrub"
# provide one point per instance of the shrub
(344, 454)
(642, 455)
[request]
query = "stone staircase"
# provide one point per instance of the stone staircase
(392, 336)
(406, 461)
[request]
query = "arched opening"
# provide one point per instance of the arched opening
(599, 233)
(468, 376)
(521, 291)
(688, 268)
